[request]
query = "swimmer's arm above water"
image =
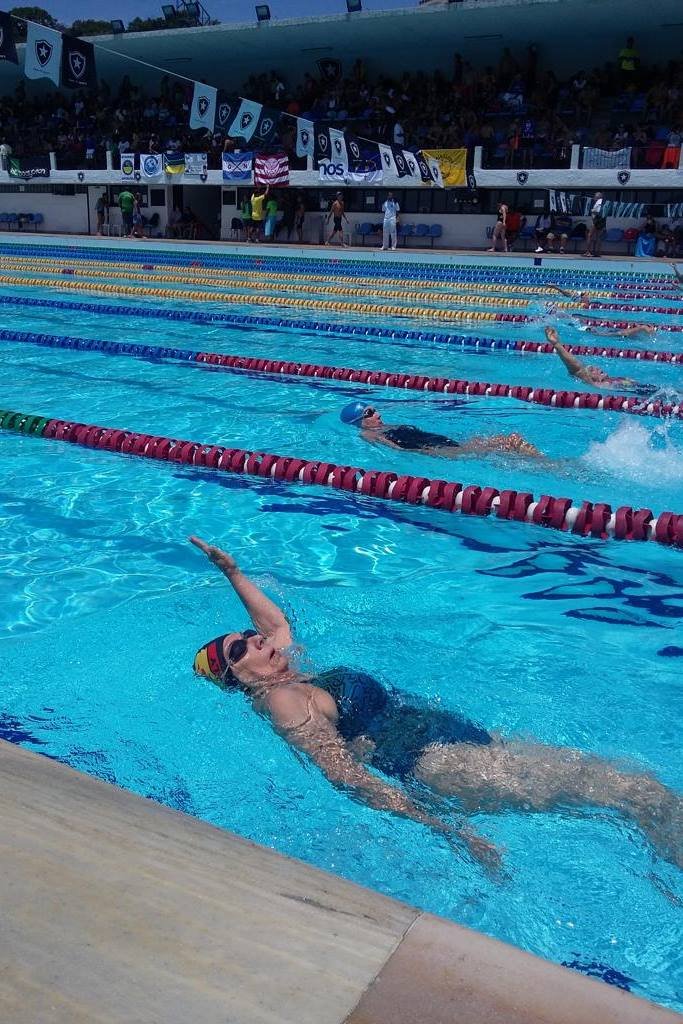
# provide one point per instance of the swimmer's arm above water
(318, 737)
(264, 613)
(574, 366)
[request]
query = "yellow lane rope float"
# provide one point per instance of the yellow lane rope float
(245, 285)
(456, 288)
(257, 300)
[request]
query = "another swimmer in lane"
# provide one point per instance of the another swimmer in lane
(604, 330)
(593, 375)
(413, 439)
(344, 719)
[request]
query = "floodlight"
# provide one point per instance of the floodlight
(170, 12)
(353, 6)
(118, 27)
(262, 12)
(192, 9)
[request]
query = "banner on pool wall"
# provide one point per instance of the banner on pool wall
(26, 167)
(605, 158)
(151, 165)
(195, 163)
(237, 166)
(127, 166)
(453, 165)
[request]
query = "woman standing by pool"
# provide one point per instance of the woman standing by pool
(499, 231)
(344, 718)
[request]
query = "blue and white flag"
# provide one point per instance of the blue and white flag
(203, 111)
(387, 158)
(434, 170)
(195, 163)
(237, 166)
(369, 177)
(412, 165)
(338, 152)
(244, 125)
(305, 137)
(127, 167)
(605, 158)
(43, 54)
(151, 165)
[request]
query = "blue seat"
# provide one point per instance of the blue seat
(37, 219)
(13, 221)
(4, 219)
(364, 230)
(421, 231)
(435, 231)
(527, 232)
(614, 236)
(404, 231)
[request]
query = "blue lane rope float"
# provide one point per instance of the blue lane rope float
(324, 327)
(552, 397)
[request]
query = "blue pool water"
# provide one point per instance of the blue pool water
(536, 635)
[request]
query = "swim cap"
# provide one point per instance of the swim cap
(210, 660)
(353, 412)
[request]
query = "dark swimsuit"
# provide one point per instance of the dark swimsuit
(399, 731)
(415, 440)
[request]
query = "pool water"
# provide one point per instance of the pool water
(535, 635)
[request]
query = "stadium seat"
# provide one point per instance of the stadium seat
(421, 230)
(613, 237)
(435, 231)
(36, 219)
(404, 231)
(630, 237)
(527, 232)
(13, 221)
(364, 230)
(4, 220)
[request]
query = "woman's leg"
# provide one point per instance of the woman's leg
(535, 777)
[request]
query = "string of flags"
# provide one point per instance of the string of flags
(339, 156)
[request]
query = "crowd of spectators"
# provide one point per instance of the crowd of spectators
(521, 114)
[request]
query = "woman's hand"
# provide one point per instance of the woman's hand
(225, 562)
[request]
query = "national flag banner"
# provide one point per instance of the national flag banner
(78, 64)
(237, 166)
(26, 167)
(246, 119)
(321, 143)
(453, 164)
(411, 163)
(330, 69)
(606, 158)
(151, 165)
(387, 158)
(127, 167)
(43, 54)
(271, 170)
(174, 163)
(8, 50)
(195, 163)
(400, 162)
(305, 137)
(266, 127)
(203, 109)
(338, 151)
(227, 105)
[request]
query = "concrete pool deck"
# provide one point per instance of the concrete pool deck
(117, 910)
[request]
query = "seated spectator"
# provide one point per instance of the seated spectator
(175, 219)
(668, 238)
(514, 223)
(549, 228)
(672, 153)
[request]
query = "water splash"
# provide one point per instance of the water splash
(637, 452)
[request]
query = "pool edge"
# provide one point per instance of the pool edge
(118, 908)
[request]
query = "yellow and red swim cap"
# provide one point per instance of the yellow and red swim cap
(210, 660)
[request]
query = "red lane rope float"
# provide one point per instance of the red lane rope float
(587, 519)
(450, 385)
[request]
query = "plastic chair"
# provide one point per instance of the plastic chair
(527, 232)
(37, 220)
(422, 230)
(614, 236)
(13, 221)
(435, 231)
(404, 231)
(364, 230)
(4, 219)
(630, 237)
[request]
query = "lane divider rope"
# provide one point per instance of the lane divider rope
(405, 270)
(589, 519)
(465, 341)
(551, 397)
(210, 272)
(324, 305)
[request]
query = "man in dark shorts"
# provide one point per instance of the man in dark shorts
(413, 439)
(337, 213)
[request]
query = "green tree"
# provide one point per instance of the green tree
(36, 14)
(91, 27)
(147, 24)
